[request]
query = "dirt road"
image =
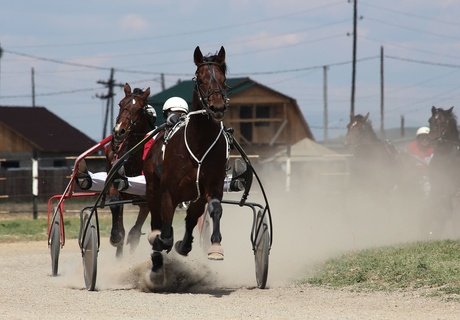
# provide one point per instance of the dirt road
(225, 291)
(304, 233)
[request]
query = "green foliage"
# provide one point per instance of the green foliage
(434, 265)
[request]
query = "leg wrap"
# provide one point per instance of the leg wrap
(215, 209)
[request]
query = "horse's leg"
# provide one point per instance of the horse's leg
(216, 251)
(194, 211)
(117, 234)
(163, 240)
(134, 234)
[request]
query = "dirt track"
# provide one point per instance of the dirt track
(27, 291)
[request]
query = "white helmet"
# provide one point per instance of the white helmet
(422, 130)
(175, 104)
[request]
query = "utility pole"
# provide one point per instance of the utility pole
(1, 54)
(33, 87)
(402, 127)
(110, 84)
(162, 79)
(382, 114)
(353, 70)
(34, 162)
(325, 115)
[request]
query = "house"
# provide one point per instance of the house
(264, 120)
(25, 130)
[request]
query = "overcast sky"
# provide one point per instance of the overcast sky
(281, 44)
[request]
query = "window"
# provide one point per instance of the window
(10, 164)
(246, 127)
(263, 112)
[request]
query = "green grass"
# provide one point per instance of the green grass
(434, 266)
(28, 229)
(21, 228)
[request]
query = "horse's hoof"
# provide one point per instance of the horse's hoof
(119, 252)
(153, 234)
(157, 261)
(216, 252)
(156, 280)
(117, 239)
(180, 248)
(133, 238)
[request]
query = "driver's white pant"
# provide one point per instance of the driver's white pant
(136, 185)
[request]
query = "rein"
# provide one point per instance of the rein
(199, 161)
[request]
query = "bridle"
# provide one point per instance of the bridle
(204, 96)
(118, 142)
(440, 125)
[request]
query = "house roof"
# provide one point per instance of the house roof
(184, 89)
(43, 129)
(304, 149)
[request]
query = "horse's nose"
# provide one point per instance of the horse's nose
(118, 131)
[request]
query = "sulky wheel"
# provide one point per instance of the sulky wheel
(55, 241)
(262, 249)
(89, 254)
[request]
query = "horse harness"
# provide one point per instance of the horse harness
(183, 122)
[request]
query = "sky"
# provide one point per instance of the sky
(71, 45)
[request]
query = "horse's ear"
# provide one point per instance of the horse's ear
(198, 56)
(127, 89)
(367, 116)
(450, 109)
(146, 93)
(221, 55)
(433, 110)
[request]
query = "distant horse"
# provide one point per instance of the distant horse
(194, 164)
(374, 165)
(444, 167)
(131, 127)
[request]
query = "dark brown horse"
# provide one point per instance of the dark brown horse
(194, 164)
(132, 125)
(374, 166)
(445, 164)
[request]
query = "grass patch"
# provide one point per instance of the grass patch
(28, 229)
(429, 265)
(21, 228)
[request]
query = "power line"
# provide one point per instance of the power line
(439, 64)
(56, 93)
(413, 15)
(439, 35)
(197, 31)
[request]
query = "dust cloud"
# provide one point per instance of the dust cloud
(323, 214)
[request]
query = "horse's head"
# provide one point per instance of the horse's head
(210, 83)
(132, 116)
(359, 130)
(443, 124)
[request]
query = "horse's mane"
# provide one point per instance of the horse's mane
(453, 124)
